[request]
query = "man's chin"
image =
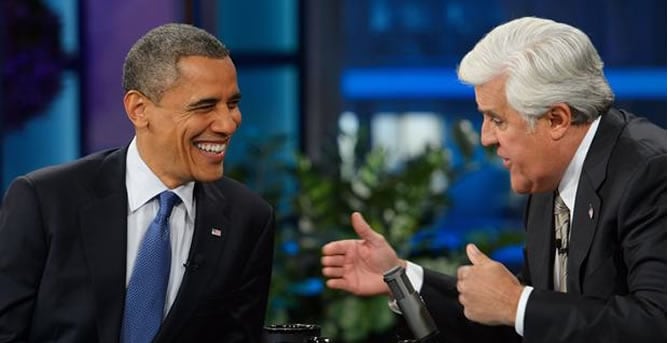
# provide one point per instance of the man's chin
(210, 176)
(527, 187)
(520, 187)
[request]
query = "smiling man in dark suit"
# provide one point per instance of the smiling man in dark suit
(74, 238)
(595, 254)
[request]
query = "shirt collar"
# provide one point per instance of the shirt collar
(143, 185)
(569, 182)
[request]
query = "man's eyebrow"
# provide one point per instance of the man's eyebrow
(488, 112)
(235, 97)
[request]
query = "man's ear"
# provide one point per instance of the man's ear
(559, 117)
(135, 107)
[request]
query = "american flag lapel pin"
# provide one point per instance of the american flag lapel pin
(216, 232)
(591, 212)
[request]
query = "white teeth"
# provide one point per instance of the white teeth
(209, 147)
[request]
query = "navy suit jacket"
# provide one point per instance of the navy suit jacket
(617, 251)
(63, 258)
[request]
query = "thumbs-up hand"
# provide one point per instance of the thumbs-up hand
(487, 290)
(476, 256)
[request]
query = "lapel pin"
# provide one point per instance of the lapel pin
(591, 212)
(216, 232)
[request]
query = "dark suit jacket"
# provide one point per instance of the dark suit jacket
(617, 256)
(63, 258)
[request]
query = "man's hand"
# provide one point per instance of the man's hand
(357, 265)
(487, 290)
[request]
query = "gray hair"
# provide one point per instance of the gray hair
(151, 64)
(544, 63)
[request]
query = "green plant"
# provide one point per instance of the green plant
(316, 200)
(396, 203)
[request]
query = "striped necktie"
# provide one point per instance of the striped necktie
(562, 236)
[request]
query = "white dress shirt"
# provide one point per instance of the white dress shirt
(143, 186)
(567, 189)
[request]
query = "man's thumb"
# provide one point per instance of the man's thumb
(475, 255)
(364, 231)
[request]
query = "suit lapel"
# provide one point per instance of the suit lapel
(104, 231)
(587, 201)
(207, 245)
(585, 218)
(539, 239)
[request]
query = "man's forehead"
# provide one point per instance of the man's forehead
(490, 94)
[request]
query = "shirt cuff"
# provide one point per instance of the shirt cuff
(415, 275)
(521, 309)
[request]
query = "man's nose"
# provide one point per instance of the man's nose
(487, 134)
(226, 121)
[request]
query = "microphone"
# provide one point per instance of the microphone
(561, 249)
(413, 309)
(195, 263)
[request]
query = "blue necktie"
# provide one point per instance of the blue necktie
(145, 297)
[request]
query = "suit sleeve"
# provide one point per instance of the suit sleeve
(23, 249)
(439, 293)
(638, 312)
